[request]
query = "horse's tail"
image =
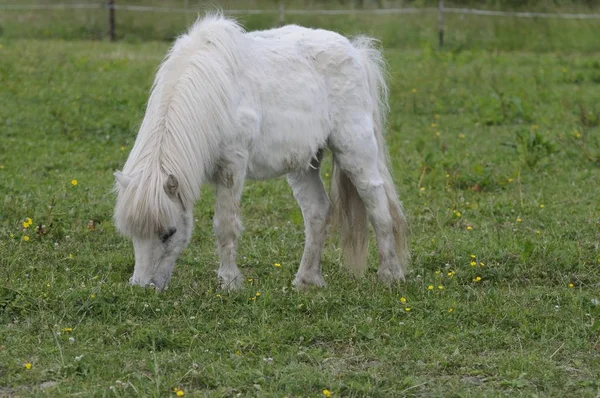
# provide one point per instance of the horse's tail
(349, 211)
(350, 217)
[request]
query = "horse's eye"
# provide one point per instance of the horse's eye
(170, 232)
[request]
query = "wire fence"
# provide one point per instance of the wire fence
(281, 11)
(404, 10)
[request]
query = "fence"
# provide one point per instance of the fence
(281, 11)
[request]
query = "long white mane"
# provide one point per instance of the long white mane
(188, 109)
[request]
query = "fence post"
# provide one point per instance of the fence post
(281, 13)
(111, 19)
(441, 23)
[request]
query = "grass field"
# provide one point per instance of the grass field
(496, 155)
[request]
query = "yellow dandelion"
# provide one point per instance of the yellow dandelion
(450, 309)
(537, 231)
(477, 279)
(326, 393)
(447, 175)
(571, 285)
(251, 298)
(433, 125)
(457, 214)
(326, 174)
(27, 365)
(437, 134)
(481, 264)
(257, 294)
(519, 219)
(438, 272)
(469, 228)
(277, 265)
(403, 300)
(27, 223)
(180, 393)
(67, 330)
(441, 287)
(92, 296)
(414, 90)
(422, 189)
(122, 148)
(473, 263)
(74, 182)
(473, 256)
(510, 179)
(250, 279)
(238, 352)
(407, 309)
(462, 136)
(430, 287)
(26, 238)
(175, 389)
(218, 295)
(451, 273)
(542, 206)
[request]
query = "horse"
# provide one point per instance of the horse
(227, 105)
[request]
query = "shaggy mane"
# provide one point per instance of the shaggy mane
(188, 108)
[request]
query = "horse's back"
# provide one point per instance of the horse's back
(332, 55)
(318, 45)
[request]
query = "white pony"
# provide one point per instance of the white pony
(227, 105)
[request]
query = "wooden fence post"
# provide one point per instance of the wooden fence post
(441, 23)
(281, 13)
(111, 20)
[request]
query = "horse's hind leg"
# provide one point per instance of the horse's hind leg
(227, 222)
(358, 158)
(313, 201)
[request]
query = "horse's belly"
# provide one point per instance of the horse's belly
(286, 143)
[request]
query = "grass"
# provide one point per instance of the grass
(496, 154)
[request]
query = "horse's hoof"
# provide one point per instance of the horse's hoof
(148, 285)
(389, 276)
(231, 283)
(304, 282)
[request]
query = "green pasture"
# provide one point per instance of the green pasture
(495, 149)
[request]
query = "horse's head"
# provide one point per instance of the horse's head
(153, 214)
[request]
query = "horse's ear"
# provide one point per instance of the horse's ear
(122, 179)
(171, 186)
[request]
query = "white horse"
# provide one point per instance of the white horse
(227, 105)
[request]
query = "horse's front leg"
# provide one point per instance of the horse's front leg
(227, 221)
(312, 198)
